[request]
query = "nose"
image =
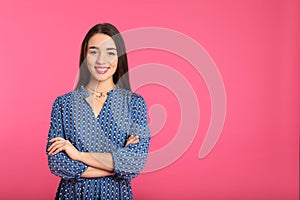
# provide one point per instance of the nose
(102, 59)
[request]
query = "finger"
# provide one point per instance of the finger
(129, 141)
(135, 137)
(52, 152)
(131, 137)
(58, 150)
(56, 139)
(56, 147)
(54, 144)
(62, 147)
(136, 140)
(132, 140)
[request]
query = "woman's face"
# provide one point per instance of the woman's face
(102, 58)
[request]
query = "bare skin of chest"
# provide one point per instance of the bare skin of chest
(96, 104)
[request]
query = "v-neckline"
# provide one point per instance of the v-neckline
(104, 104)
(95, 115)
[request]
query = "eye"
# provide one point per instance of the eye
(110, 53)
(93, 52)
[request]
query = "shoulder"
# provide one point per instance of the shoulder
(63, 99)
(134, 99)
(137, 100)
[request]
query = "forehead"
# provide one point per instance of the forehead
(101, 40)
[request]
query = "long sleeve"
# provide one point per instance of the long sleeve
(60, 164)
(130, 160)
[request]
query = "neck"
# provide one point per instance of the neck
(100, 86)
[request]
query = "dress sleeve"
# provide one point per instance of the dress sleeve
(60, 164)
(130, 160)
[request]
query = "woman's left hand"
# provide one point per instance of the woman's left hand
(60, 144)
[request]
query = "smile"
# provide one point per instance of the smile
(101, 70)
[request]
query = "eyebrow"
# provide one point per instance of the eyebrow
(109, 48)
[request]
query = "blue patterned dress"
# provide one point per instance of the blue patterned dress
(123, 114)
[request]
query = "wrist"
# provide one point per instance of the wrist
(80, 155)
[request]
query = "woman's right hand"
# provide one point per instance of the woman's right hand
(132, 139)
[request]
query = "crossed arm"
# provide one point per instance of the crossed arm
(99, 164)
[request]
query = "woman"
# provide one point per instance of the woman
(99, 136)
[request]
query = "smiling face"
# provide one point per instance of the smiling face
(101, 58)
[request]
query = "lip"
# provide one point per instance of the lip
(101, 69)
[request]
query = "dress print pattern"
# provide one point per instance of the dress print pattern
(123, 114)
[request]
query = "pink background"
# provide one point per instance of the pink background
(255, 45)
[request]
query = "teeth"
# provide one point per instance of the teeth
(102, 69)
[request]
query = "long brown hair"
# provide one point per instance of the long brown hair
(121, 76)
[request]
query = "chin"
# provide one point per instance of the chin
(102, 78)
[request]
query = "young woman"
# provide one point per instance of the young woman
(99, 136)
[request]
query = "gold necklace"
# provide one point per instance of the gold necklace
(99, 94)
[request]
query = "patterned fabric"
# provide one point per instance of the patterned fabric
(123, 114)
